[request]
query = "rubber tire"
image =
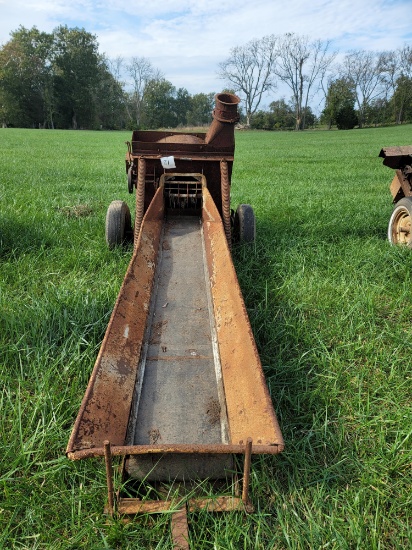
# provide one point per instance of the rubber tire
(245, 223)
(401, 218)
(118, 223)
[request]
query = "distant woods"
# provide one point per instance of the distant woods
(60, 80)
(355, 89)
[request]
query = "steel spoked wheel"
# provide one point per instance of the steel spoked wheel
(118, 224)
(400, 223)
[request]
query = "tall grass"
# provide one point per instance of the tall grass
(329, 301)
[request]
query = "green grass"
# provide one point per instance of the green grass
(330, 303)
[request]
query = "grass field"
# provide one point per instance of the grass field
(330, 303)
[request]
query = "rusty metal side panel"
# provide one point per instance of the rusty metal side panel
(396, 186)
(396, 157)
(400, 186)
(105, 408)
(249, 406)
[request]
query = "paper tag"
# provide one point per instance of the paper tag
(168, 162)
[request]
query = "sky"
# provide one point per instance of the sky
(187, 39)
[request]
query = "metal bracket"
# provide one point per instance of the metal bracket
(179, 521)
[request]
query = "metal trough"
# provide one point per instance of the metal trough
(178, 387)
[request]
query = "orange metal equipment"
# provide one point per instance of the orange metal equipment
(178, 388)
(400, 223)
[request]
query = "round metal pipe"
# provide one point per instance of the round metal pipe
(225, 116)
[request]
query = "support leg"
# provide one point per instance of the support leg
(246, 471)
(180, 530)
(109, 477)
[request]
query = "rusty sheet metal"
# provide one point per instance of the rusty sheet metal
(225, 116)
(399, 159)
(180, 530)
(249, 406)
(132, 506)
(192, 152)
(134, 450)
(396, 157)
(219, 504)
(105, 408)
(401, 186)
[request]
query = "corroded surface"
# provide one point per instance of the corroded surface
(179, 398)
(249, 406)
(396, 157)
(134, 450)
(104, 413)
(105, 409)
(192, 152)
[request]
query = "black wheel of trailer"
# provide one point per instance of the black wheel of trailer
(118, 224)
(245, 224)
(400, 223)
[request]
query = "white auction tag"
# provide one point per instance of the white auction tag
(168, 162)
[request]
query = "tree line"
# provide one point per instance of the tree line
(363, 88)
(60, 80)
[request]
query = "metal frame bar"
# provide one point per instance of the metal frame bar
(109, 478)
(179, 520)
(133, 450)
(246, 471)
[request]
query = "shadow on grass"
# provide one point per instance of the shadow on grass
(318, 451)
(295, 226)
(18, 237)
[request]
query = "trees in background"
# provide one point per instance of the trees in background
(142, 72)
(200, 109)
(57, 79)
(365, 72)
(339, 103)
(397, 72)
(346, 117)
(110, 97)
(371, 88)
(253, 69)
(249, 71)
(301, 64)
(365, 84)
(401, 101)
(61, 80)
(280, 116)
(26, 79)
(76, 71)
(159, 105)
(380, 84)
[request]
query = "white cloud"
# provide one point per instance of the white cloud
(186, 39)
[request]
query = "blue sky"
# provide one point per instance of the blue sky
(186, 40)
